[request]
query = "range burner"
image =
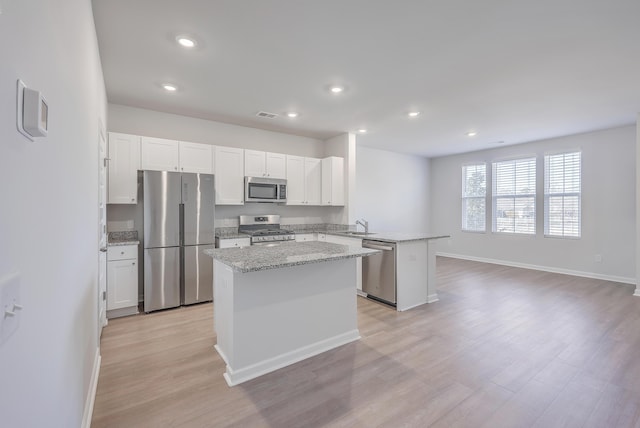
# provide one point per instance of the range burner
(264, 228)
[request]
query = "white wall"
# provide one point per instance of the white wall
(48, 214)
(393, 190)
(151, 123)
(608, 208)
(131, 120)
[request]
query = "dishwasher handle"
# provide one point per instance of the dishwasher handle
(377, 247)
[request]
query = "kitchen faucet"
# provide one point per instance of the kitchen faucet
(364, 223)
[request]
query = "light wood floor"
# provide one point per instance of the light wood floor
(504, 347)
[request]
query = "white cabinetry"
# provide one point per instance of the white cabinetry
(352, 242)
(264, 164)
(233, 242)
(305, 237)
(229, 170)
(159, 154)
(122, 280)
(333, 181)
(304, 181)
(195, 157)
(124, 162)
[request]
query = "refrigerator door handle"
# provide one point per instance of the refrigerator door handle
(185, 192)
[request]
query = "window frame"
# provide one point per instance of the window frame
(546, 195)
(465, 198)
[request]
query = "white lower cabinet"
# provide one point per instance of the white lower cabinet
(352, 242)
(305, 237)
(232, 242)
(122, 281)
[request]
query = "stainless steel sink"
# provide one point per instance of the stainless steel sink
(360, 233)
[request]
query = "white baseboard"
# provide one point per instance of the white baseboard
(637, 293)
(235, 377)
(91, 394)
(361, 293)
(612, 278)
(431, 298)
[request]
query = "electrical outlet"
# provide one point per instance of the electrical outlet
(10, 306)
(597, 258)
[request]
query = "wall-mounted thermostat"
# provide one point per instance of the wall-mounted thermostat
(32, 112)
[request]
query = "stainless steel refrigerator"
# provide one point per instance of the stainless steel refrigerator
(178, 227)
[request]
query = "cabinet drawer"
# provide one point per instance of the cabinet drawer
(122, 252)
(234, 242)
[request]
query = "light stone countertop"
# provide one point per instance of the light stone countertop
(393, 237)
(287, 254)
(122, 243)
(116, 239)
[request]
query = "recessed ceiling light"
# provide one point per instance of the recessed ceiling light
(336, 89)
(169, 87)
(186, 41)
(362, 131)
(472, 134)
(292, 114)
(414, 113)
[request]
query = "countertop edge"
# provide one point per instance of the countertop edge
(122, 243)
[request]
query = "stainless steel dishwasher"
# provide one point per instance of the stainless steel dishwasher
(379, 272)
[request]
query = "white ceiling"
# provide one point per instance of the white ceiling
(514, 71)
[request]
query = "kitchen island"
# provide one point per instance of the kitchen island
(415, 265)
(277, 305)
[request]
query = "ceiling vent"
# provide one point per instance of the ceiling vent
(266, 115)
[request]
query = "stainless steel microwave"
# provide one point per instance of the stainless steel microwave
(260, 189)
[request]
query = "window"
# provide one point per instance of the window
(474, 190)
(514, 196)
(562, 189)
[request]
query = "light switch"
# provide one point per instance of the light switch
(10, 306)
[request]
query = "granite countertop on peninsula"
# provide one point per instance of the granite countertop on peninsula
(393, 237)
(287, 254)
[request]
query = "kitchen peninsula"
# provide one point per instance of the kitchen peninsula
(277, 305)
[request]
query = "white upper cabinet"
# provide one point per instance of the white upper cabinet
(195, 157)
(264, 164)
(333, 181)
(255, 163)
(229, 170)
(304, 181)
(276, 165)
(313, 181)
(295, 180)
(159, 154)
(168, 155)
(124, 162)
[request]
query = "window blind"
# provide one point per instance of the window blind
(514, 196)
(474, 191)
(562, 194)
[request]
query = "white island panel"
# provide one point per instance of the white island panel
(411, 274)
(266, 320)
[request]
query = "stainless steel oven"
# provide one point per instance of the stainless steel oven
(260, 189)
